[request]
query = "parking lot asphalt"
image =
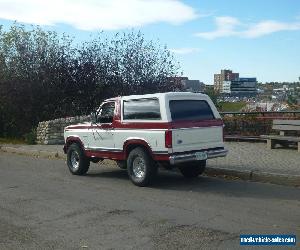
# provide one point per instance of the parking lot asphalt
(43, 206)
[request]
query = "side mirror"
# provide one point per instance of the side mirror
(94, 117)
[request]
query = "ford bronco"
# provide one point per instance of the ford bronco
(144, 132)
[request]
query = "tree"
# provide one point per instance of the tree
(34, 73)
(123, 65)
(45, 76)
(213, 96)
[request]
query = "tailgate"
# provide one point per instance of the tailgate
(190, 139)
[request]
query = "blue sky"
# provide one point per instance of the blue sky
(257, 38)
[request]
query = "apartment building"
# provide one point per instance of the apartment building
(226, 75)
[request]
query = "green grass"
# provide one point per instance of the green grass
(11, 141)
(231, 106)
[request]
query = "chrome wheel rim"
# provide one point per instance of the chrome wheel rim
(139, 167)
(74, 160)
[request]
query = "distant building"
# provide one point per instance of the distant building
(226, 75)
(193, 85)
(226, 88)
(230, 83)
(240, 87)
(177, 81)
(187, 85)
(244, 87)
(209, 88)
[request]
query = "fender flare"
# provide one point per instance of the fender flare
(136, 141)
(72, 139)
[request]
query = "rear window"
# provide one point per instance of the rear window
(141, 109)
(182, 110)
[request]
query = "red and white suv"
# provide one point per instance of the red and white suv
(142, 132)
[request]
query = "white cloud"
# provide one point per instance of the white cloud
(268, 27)
(97, 14)
(225, 27)
(230, 26)
(185, 51)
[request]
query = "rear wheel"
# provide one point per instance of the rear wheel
(77, 162)
(192, 169)
(140, 167)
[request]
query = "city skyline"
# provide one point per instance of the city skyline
(255, 39)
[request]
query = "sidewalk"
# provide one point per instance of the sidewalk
(247, 161)
(253, 161)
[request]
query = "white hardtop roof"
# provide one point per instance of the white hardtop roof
(164, 95)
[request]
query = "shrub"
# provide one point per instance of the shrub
(30, 138)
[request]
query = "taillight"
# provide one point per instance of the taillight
(168, 139)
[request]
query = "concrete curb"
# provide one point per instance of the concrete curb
(248, 175)
(256, 176)
(33, 152)
(244, 175)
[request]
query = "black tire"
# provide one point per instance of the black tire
(77, 162)
(140, 167)
(192, 169)
(122, 164)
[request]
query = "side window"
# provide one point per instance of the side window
(187, 110)
(106, 113)
(141, 109)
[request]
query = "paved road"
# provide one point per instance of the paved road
(43, 207)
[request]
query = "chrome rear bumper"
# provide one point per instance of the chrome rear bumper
(186, 157)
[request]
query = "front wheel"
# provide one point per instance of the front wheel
(192, 169)
(140, 167)
(77, 162)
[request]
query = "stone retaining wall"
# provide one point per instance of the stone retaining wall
(52, 132)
